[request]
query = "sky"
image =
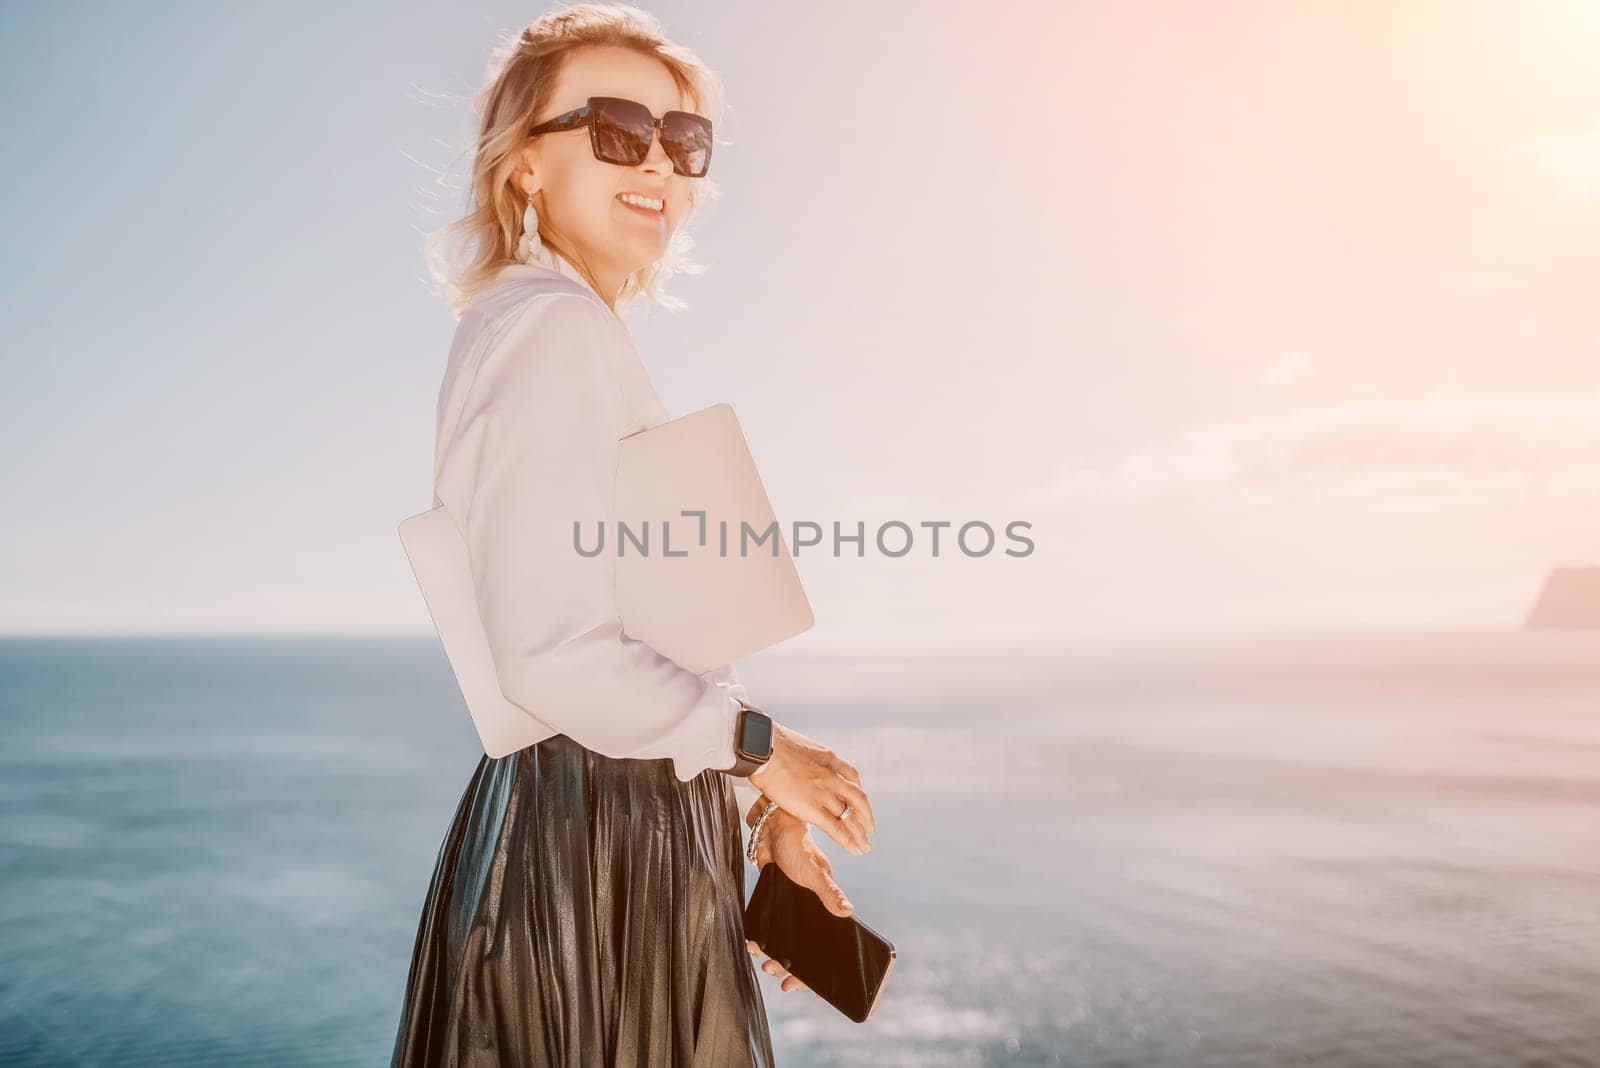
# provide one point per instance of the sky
(1263, 316)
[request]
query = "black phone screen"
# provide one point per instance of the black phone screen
(841, 958)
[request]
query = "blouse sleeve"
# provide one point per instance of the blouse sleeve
(548, 417)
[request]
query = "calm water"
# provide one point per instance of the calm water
(1341, 849)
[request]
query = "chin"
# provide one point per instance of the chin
(641, 255)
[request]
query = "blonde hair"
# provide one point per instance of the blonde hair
(464, 256)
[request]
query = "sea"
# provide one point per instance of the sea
(1333, 848)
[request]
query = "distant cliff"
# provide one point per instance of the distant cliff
(1570, 599)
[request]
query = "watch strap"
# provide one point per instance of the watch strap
(743, 765)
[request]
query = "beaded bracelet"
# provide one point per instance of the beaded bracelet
(755, 831)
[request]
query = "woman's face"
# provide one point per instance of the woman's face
(578, 196)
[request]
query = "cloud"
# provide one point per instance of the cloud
(1291, 370)
(1444, 451)
(1572, 158)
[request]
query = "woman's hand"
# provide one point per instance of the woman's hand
(811, 782)
(772, 967)
(787, 842)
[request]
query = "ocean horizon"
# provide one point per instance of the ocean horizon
(1324, 848)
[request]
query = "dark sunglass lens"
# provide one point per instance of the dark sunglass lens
(687, 140)
(622, 131)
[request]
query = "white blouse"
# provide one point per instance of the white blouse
(542, 382)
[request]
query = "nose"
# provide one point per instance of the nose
(656, 159)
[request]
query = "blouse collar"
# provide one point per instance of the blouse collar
(547, 259)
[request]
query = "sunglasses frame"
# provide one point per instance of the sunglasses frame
(590, 111)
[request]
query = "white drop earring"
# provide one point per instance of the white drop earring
(530, 249)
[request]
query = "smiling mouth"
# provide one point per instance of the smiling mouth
(648, 206)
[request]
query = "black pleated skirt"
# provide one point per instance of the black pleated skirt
(585, 910)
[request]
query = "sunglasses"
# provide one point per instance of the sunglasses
(621, 132)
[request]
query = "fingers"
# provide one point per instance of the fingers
(845, 833)
(860, 807)
(846, 769)
(835, 901)
(848, 832)
(789, 982)
(819, 879)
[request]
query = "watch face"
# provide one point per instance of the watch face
(755, 738)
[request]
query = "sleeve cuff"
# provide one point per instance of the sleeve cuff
(704, 738)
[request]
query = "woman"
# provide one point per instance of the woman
(587, 901)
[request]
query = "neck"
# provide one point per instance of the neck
(605, 285)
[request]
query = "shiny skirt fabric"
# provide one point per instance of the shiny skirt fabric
(585, 910)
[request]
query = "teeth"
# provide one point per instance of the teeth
(644, 202)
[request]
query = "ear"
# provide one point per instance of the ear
(525, 174)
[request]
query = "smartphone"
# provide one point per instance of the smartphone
(842, 959)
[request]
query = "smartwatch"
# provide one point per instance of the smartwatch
(752, 740)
